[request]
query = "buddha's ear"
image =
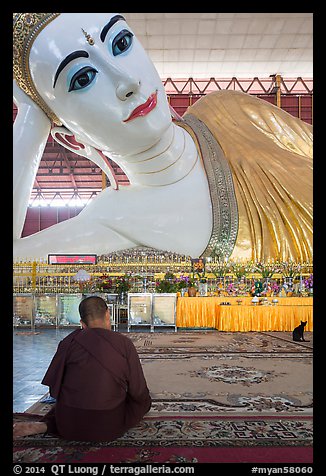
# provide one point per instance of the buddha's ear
(64, 137)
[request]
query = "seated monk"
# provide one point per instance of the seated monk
(232, 177)
(97, 381)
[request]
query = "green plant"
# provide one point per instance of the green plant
(168, 275)
(122, 284)
(201, 277)
(241, 269)
(167, 285)
(182, 282)
(290, 269)
(104, 284)
(192, 281)
(267, 269)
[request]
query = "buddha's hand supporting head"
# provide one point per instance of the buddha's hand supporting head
(88, 72)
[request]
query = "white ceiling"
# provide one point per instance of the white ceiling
(224, 45)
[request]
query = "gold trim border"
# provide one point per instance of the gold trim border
(26, 27)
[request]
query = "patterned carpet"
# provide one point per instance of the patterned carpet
(227, 373)
(219, 342)
(210, 390)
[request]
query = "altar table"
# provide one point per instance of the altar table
(210, 313)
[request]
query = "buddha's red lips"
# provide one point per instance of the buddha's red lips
(143, 109)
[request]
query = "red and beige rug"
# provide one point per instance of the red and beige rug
(217, 397)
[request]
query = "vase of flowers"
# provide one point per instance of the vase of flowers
(182, 284)
(122, 286)
(220, 270)
(309, 285)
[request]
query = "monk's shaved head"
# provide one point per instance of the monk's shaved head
(92, 308)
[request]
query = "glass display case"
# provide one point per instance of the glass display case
(112, 316)
(112, 302)
(23, 306)
(152, 310)
(111, 298)
(68, 314)
(164, 310)
(45, 310)
(139, 310)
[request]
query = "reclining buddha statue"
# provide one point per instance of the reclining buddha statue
(232, 177)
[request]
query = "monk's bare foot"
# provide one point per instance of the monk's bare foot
(28, 428)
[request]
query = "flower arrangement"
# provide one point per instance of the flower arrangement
(240, 269)
(87, 287)
(104, 284)
(167, 285)
(220, 269)
(309, 283)
(122, 284)
(192, 283)
(267, 269)
(201, 277)
(182, 282)
(290, 269)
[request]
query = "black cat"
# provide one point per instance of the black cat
(298, 332)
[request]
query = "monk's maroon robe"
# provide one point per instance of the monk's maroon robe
(99, 386)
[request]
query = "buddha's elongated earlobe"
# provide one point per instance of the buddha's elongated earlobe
(66, 138)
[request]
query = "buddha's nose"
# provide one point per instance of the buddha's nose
(127, 88)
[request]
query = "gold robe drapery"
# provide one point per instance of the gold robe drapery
(270, 155)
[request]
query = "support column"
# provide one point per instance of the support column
(278, 91)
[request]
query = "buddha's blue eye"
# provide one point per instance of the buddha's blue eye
(83, 78)
(121, 42)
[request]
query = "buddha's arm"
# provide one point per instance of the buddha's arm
(79, 234)
(31, 130)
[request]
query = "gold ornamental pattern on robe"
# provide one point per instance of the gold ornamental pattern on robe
(270, 156)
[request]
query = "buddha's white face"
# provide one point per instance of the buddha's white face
(108, 93)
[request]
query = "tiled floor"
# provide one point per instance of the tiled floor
(32, 354)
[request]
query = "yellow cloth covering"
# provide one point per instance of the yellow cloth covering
(270, 156)
(207, 312)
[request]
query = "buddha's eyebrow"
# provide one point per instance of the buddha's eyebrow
(64, 62)
(106, 28)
